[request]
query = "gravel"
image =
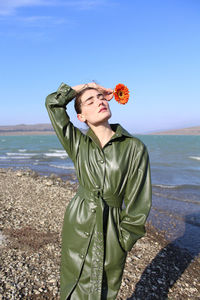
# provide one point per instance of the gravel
(32, 212)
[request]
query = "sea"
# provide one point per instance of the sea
(175, 171)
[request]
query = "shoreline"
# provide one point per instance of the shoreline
(32, 209)
(29, 133)
(47, 129)
(22, 133)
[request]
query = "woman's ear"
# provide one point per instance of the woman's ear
(81, 117)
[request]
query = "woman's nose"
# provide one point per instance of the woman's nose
(99, 101)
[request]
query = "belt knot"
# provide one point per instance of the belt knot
(111, 200)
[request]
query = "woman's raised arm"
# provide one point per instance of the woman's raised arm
(67, 133)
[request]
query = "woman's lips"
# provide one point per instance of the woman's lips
(103, 109)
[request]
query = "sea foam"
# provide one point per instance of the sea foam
(195, 157)
(63, 167)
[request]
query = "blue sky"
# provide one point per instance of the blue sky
(152, 46)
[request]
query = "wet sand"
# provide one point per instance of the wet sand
(32, 211)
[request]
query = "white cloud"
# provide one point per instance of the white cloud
(42, 21)
(87, 4)
(10, 7)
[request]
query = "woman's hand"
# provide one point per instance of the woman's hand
(108, 93)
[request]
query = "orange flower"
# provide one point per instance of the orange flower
(121, 93)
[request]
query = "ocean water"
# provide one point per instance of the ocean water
(43, 154)
(175, 170)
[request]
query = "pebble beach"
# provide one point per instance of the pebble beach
(32, 211)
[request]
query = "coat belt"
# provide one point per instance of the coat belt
(95, 194)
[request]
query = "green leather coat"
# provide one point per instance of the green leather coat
(107, 215)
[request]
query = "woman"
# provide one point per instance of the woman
(107, 215)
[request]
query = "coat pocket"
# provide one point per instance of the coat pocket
(114, 235)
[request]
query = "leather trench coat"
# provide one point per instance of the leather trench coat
(108, 213)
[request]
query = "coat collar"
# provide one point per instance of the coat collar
(119, 132)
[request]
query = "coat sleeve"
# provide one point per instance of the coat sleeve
(137, 201)
(67, 133)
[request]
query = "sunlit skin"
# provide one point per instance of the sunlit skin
(95, 109)
(95, 112)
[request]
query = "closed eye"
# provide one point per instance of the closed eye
(89, 102)
(101, 97)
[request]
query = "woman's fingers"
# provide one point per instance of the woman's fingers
(108, 93)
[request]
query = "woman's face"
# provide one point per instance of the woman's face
(94, 108)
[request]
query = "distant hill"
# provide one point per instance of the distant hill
(23, 129)
(46, 129)
(183, 131)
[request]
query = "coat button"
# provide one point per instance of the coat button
(86, 233)
(102, 161)
(93, 210)
(81, 256)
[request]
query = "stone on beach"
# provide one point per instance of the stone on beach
(32, 211)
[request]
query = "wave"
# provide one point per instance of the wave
(20, 154)
(58, 151)
(195, 157)
(165, 186)
(15, 156)
(62, 154)
(18, 157)
(174, 197)
(177, 187)
(22, 150)
(63, 167)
